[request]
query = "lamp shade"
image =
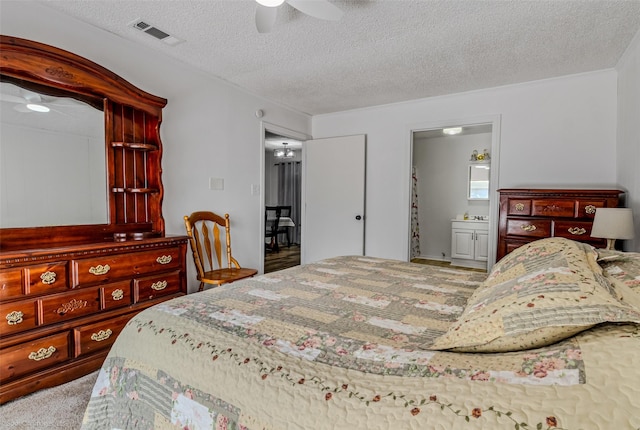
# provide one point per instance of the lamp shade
(613, 223)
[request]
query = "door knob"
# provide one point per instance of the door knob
(358, 217)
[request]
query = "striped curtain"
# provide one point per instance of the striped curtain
(415, 228)
(290, 192)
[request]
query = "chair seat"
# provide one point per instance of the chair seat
(223, 276)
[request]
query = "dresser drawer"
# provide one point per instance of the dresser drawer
(47, 278)
(515, 244)
(11, 284)
(576, 230)
(553, 208)
(520, 207)
(587, 209)
(529, 227)
(113, 267)
(31, 356)
(63, 307)
(156, 286)
(117, 295)
(97, 336)
(17, 316)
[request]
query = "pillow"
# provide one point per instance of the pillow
(540, 293)
(622, 270)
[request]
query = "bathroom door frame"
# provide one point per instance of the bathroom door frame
(494, 201)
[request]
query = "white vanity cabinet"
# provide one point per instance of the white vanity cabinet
(469, 243)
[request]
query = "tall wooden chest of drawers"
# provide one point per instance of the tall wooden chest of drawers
(531, 214)
(61, 309)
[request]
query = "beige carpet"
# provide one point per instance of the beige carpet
(57, 408)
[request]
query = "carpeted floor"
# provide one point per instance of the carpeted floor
(57, 408)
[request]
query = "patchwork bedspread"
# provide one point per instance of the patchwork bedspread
(340, 344)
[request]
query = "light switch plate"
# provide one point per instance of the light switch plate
(216, 184)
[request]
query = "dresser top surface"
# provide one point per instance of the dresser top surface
(85, 249)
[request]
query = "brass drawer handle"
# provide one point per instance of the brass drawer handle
(590, 209)
(165, 259)
(529, 227)
(42, 353)
(117, 294)
(576, 231)
(99, 269)
(15, 317)
(48, 278)
(160, 285)
(519, 206)
(102, 335)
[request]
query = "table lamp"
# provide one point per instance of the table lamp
(612, 224)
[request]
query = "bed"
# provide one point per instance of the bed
(548, 339)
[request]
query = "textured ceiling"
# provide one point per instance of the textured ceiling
(380, 51)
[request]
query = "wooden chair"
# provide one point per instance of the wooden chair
(203, 247)
(285, 211)
(271, 226)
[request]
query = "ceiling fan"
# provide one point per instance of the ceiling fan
(26, 101)
(267, 10)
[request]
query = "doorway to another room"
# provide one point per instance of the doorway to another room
(282, 201)
(453, 187)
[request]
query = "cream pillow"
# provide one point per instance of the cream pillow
(540, 293)
(622, 270)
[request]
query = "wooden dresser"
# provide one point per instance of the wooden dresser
(61, 309)
(531, 214)
(67, 289)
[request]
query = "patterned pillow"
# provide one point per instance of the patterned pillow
(540, 293)
(622, 269)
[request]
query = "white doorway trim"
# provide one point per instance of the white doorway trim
(495, 121)
(282, 131)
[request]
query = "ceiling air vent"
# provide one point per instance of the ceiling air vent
(155, 32)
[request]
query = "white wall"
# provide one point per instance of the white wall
(628, 144)
(442, 169)
(209, 127)
(557, 132)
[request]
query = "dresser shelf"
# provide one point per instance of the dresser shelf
(138, 146)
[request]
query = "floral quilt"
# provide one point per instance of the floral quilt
(339, 344)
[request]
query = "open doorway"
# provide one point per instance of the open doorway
(452, 221)
(282, 201)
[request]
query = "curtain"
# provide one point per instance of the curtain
(415, 228)
(290, 192)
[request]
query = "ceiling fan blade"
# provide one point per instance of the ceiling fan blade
(22, 108)
(265, 18)
(321, 9)
(11, 99)
(32, 97)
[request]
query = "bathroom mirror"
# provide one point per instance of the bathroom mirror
(478, 183)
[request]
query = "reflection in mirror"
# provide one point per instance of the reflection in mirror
(478, 182)
(52, 160)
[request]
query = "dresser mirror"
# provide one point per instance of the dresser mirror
(88, 170)
(478, 184)
(53, 166)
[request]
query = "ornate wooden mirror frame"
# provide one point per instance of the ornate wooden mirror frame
(132, 143)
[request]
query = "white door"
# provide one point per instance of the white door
(333, 196)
